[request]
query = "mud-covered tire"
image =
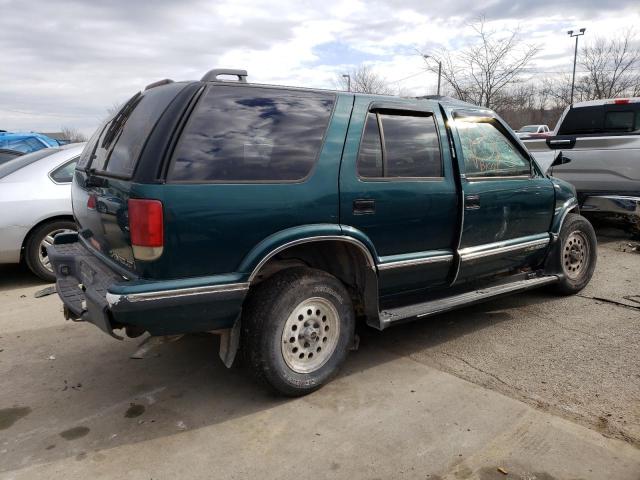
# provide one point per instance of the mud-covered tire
(287, 322)
(34, 256)
(576, 254)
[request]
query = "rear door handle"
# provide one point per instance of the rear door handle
(472, 202)
(364, 206)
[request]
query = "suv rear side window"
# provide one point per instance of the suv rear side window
(410, 147)
(249, 134)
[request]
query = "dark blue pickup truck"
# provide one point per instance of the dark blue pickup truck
(278, 217)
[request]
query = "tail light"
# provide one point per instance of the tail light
(621, 101)
(91, 202)
(146, 228)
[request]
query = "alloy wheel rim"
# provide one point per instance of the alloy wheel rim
(310, 335)
(47, 241)
(575, 255)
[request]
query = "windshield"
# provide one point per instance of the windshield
(529, 128)
(17, 163)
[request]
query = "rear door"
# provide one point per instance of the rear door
(602, 143)
(103, 178)
(508, 202)
(397, 188)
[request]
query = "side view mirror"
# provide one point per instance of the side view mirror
(560, 160)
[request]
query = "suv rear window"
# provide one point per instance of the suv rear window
(120, 141)
(249, 134)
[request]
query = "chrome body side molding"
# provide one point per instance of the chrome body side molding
(415, 262)
(498, 248)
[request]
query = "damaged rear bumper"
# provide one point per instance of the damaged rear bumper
(91, 291)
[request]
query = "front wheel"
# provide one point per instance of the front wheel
(298, 326)
(577, 254)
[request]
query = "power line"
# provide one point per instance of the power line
(45, 114)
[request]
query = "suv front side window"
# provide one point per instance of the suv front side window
(488, 152)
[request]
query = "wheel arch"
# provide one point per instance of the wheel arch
(345, 257)
(560, 215)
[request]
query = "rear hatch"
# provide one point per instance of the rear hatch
(105, 176)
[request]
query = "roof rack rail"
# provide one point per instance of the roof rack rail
(164, 81)
(212, 75)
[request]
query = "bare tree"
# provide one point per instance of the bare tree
(72, 135)
(365, 80)
(482, 71)
(612, 66)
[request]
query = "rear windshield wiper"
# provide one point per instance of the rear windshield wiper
(119, 120)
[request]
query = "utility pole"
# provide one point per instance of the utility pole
(575, 56)
(348, 77)
(439, 69)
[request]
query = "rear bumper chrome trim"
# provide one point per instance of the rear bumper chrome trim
(114, 299)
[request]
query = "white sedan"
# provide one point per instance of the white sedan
(35, 205)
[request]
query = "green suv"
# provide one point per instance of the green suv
(278, 217)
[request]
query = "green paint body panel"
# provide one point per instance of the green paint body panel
(218, 234)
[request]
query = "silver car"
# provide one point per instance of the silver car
(596, 147)
(35, 205)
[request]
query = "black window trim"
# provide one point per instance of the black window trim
(485, 116)
(382, 107)
(203, 94)
(53, 170)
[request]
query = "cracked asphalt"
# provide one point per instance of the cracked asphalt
(534, 385)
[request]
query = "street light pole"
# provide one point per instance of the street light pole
(575, 56)
(348, 77)
(439, 69)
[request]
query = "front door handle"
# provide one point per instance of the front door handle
(364, 206)
(472, 202)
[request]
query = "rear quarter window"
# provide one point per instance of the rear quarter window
(252, 134)
(64, 173)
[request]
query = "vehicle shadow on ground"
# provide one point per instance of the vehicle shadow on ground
(18, 276)
(93, 397)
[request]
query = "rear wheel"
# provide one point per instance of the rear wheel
(577, 254)
(298, 326)
(36, 248)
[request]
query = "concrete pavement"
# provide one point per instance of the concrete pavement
(507, 385)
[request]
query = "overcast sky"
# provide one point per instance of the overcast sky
(65, 62)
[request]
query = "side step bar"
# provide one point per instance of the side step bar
(403, 314)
